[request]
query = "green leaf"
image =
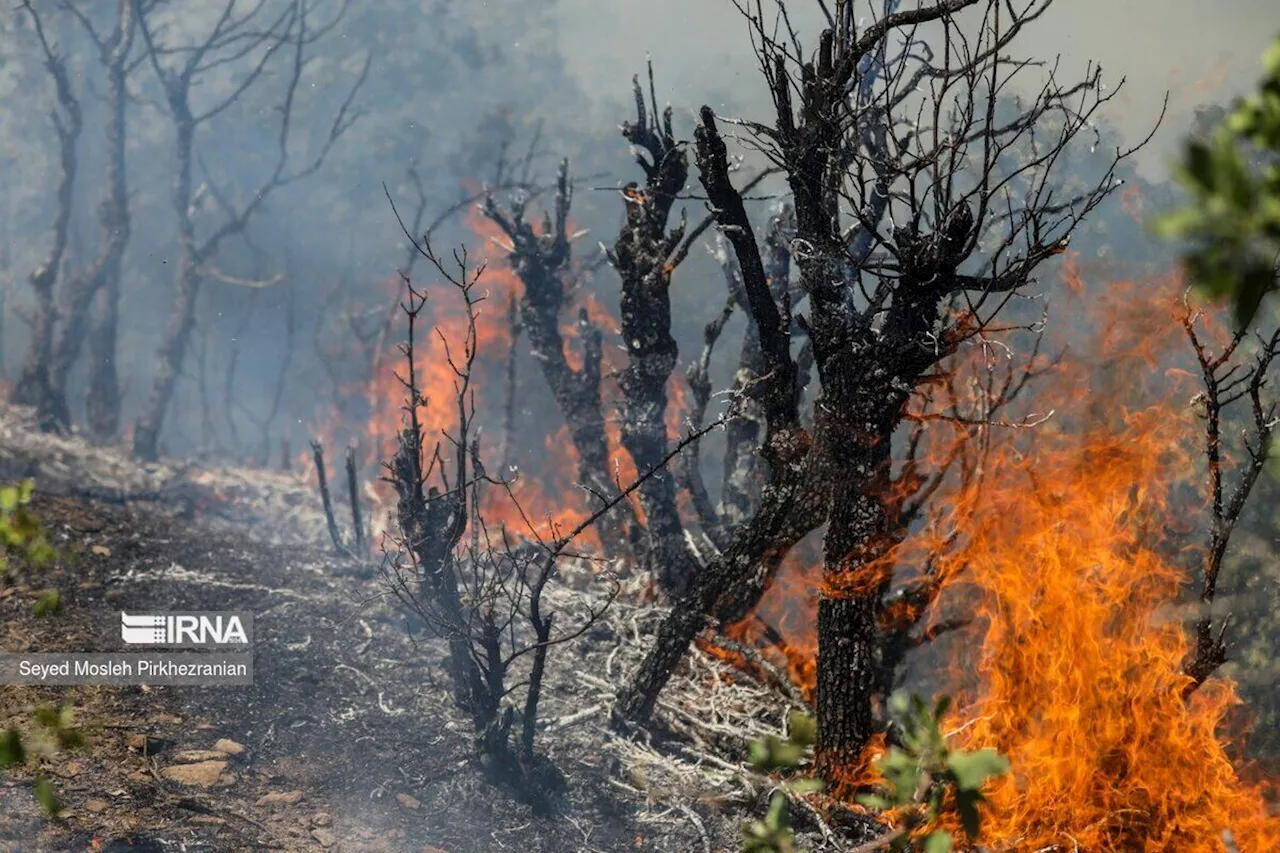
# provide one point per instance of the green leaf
(902, 772)
(49, 601)
(937, 842)
(45, 796)
(972, 769)
(802, 729)
(11, 749)
(778, 817)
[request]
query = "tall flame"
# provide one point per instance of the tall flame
(1071, 557)
(1069, 553)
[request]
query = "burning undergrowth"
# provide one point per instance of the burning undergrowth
(1060, 567)
(1071, 558)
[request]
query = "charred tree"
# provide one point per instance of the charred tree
(786, 447)
(644, 256)
(34, 387)
(478, 592)
(540, 257)
(1234, 376)
(100, 281)
(913, 230)
(178, 68)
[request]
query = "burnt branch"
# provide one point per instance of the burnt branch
(353, 496)
(1234, 373)
(643, 256)
(322, 481)
(698, 376)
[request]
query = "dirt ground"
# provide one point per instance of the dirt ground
(344, 742)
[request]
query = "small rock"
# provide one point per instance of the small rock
(95, 806)
(408, 802)
(71, 769)
(166, 719)
(321, 819)
(146, 744)
(280, 798)
(191, 756)
(211, 820)
(228, 747)
(324, 837)
(100, 551)
(202, 774)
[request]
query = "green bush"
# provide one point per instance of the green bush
(926, 782)
(25, 546)
(1233, 221)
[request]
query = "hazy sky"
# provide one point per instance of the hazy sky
(1200, 50)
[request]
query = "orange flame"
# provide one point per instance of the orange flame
(546, 494)
(1066, 553)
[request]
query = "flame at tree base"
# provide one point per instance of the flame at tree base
(1066, 557)
(1080, 671)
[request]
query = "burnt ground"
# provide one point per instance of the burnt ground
(349, 741)
(346, 710)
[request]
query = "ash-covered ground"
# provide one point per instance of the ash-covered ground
(347, 740)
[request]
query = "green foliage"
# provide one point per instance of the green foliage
(772, 833)
(11, 749)
(1233, 221)
(23, 537)
(55, 730)
(926, 781)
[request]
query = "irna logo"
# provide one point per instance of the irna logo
(185, 629)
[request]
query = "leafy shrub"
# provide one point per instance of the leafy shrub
(1233, 221)
(927, 783)
(24, 545)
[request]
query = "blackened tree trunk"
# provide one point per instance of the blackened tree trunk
(101, 280)
(768, 531)
(854, 577)
(539, 259)
(644, 256)
(33, 387)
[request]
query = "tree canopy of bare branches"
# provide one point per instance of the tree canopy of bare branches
(925, 198)
(257, 40)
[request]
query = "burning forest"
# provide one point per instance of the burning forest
(851, 467)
